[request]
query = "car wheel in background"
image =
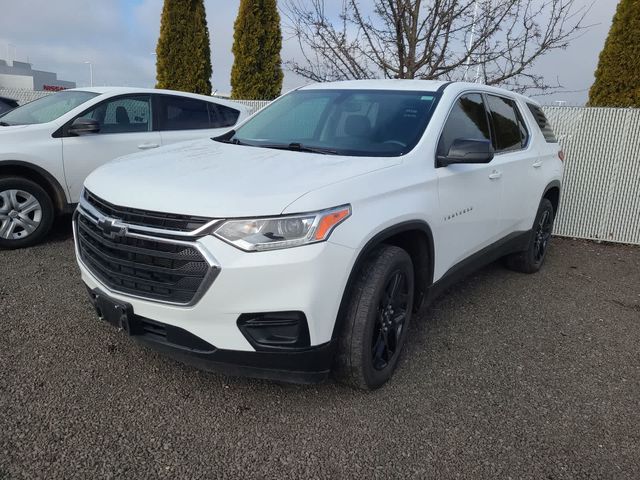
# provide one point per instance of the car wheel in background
(26, 213)
(377, 319)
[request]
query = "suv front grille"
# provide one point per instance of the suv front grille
(161, 269)
(145, 218)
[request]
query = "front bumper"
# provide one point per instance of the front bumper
(310, 279)
(309, 365)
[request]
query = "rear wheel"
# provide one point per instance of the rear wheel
(531, 259)
(26, 213)
(377, 319)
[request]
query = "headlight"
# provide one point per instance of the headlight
(256, 234)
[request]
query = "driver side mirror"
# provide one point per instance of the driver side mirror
(84, 126)
(466, 150)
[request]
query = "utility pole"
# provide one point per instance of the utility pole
(90, 71)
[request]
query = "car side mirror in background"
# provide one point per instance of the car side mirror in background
(84, 126)
(464, 150)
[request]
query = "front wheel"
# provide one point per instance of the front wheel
(377, 319)
(531, 259)
(26, 213)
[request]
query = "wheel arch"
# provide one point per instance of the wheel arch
(552, 193)
(40, 176)
(416, 238)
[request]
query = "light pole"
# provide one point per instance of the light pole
(9, 45)
(90, 71)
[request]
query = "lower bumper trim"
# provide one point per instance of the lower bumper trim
(304, 367)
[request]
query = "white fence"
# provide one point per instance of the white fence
(601, 192)
(22, 96)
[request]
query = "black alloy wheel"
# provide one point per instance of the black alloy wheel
(392, 314)
(376, 321)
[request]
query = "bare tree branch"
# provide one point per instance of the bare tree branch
(497, 41)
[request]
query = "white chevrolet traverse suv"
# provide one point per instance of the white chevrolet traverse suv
(49, 146)
(302, 242)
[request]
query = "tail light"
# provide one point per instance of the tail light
(561, 155)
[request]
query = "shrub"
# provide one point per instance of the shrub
(183, 52)
(617, 81)
(257, 41)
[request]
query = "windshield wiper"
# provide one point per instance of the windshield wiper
(298, 147)
(228, 138)
(5, 124)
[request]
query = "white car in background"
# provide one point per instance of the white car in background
(49, 146)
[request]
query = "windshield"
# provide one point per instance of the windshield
(345, 122)
(46, 109)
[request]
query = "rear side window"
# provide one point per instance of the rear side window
(183, 113)
(510, 132)
(222, 116)
(467, 120)
(543, 123)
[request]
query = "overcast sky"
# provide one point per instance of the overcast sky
(119, 38)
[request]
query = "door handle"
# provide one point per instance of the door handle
(495, 175)
(538, 164)
(147, 146)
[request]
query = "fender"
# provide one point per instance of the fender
(376, 240)
(52, 185)
(554, 184)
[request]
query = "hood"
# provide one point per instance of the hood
(15, 129)
(212, 179)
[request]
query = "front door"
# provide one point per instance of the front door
(469, 194)
(125, 127)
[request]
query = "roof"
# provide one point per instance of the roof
(383, 84)
(411, 85)
(126, 90)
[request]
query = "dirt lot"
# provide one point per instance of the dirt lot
(507, 376)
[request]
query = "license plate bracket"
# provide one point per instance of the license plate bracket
(119, 314)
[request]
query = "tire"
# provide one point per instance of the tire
(26, 213)
(532, 259)
(358, 363)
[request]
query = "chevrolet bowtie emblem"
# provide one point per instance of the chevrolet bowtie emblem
(111, 229)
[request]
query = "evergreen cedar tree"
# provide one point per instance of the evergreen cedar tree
(183, 52)
(618, 74)
(257, 41)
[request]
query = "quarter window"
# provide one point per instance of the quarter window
(543, 123)
(510, 132)
(123, 114)
(222, 116)
(467, 120)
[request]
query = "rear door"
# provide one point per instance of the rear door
(515, 161)
(185, 118)
(469, 193)
(125, 127)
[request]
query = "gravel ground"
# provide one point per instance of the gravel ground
(506, 376)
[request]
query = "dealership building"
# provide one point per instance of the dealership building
(20, 75)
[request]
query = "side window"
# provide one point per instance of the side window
(467, 120)
(123, 114)
(506, 124)
(182, 113)
(222, 116)
(543, 123)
